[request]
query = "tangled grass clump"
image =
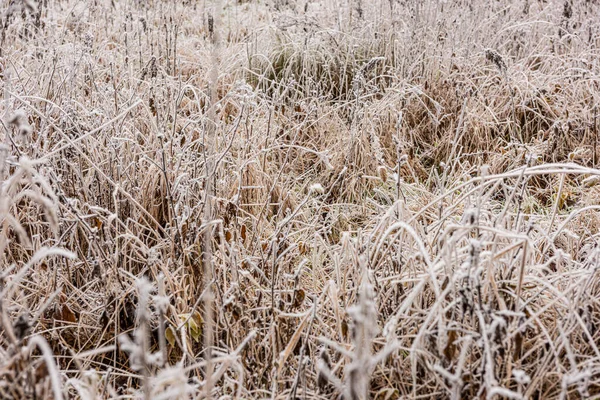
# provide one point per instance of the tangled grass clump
(239, 199)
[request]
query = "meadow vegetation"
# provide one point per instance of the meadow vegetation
(299, 199)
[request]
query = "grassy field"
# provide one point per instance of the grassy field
(299, 199)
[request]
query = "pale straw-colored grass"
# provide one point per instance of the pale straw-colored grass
(299, 199)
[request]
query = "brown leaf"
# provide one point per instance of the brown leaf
(303, 248)
(64, 313)
(299, 296)
(445, 283)
(345, 329)
(450, 349)
(518, 347)
(41, 372)
(184, 229)
(97, 223)
(236, 312)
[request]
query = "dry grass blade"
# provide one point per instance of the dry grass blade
(284, 199)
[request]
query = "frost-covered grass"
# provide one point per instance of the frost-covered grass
(299, 199)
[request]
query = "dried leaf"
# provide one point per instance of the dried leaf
(299, 296)
(197, 317)
(195, 324)
(518, 347)
(387, 394)
(283, 356)
(97, 223)
(450, 349)
(303, 248)
(345, 329)
(64, 313)
(171, 336)
(243, 232)
(236, 312)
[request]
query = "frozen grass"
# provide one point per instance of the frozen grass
(299, 199)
